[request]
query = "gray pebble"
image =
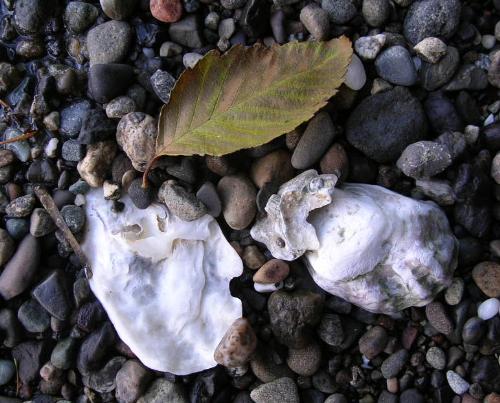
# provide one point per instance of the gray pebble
(33, 317)
(207, 194)
(330, 330)
(316, 21)
(72, 117)
(433, 76)
(180, 202)
(7, 371)
(78, 16)
(41, 223)
(17, 228)
(74, 217)
(119, 107)
(21, 149)
(64, 354)
(282, 390)
(396, 66)
(457, 383)
(186, 32)
(238, 197)
(305, 361)
(376, 12)
(339, 11)
(162, 83)
(118, 9)
(436, 358)
(424, 159)
(109, 42)
(141, 197)
(162, 390)
(394, 364)
(7, 247)
(73, 150)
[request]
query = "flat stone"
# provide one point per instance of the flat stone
(283, 390)
(53, 296)
(272, 272)
(33, 317)
(237, 345)
(109, 42)
(162, 390)
(180, 202)
(131, 381)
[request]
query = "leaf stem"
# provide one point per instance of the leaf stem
(24, 136)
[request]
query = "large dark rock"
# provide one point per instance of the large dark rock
(442, 113)
(382, 125)
(96, 127)
(95, 347)
(53, 295)
(30, 357)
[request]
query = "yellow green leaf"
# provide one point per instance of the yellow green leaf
(249, 96)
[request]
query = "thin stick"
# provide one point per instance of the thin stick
(49, 205)
(24, 136)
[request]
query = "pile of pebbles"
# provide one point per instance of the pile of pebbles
(418, 114)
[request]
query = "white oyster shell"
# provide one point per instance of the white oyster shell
(164, 282)
(376, 248)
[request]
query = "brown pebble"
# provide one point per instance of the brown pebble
(274, 167)
(272, 272)
(486, 275)
(492, 398)
(219, 165)
(237, 345)
(292, 138)
(335, 161)
(393, 385)
(253, 257)
(7, 157)
(438, 318)
(469, 399)
(373, 342)
(409, 336)
(237, 195)
(166, 10)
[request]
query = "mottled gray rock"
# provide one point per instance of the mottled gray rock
(424, 159)
(118, 9)
(109, 42)
(433, 76)
(131, 380)
(282, 390)
(186, 32)
(396, 66)
(162, 83)
(162, 390)
(180, 202)
(339, 11)
(78, 16)
(33, 317)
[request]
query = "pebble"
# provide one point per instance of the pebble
(473, 330)
(180, 202)
(104, 380)
(64, 353)
(337, 398)
(169, 49)
(7, 247)
(253, 257)
(72, 117)
(355, 77)
(282, 390)
(166, 10)
(368, 47)
(7, 371)
(437, 190)
(316, 21)
(488, 309)
(95, 347)
(30, 16)
(394, 364)
(494, 71)
(431, 18)
(373, 342)
(238, 195)
(78, 16)
(468, 77)
(21, 149)
(53, 295)
(339, 11)
(442, 115)
(395, 65)
(436, 358)
(21, 268)
(272, 272)
(488, 41)
(109, 42)
(33, 317)
(305, 361)
(141, 197)
(376, 12)
(395, 111)
(486, 275)
(136, 135)
(186, 32)
(292, 316)
(120, 106)
(454, 293)
(17, 228)
(457, 383)
(317, 137)
(324, 382)
(50, 149)
(330, 330)
(274, 167)
(98, 159)
(73, 150)
(29, 356)
(265, 368)
(74, 217)
(431, 49)
(424, 159)
(237, 346)
(438, 318)
(162, 83)
(118, 9)
(434, 76)
(131, 381)
(335, 161)
(111, 190)
(190, 59)
(162, 390)
(107, 81)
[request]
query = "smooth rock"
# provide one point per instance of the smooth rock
(120, 106)
(109, 42)
(437, 190)
(488, 309)
(237, 345)
(395, 65)
(442, 114)
(21, 149)
(207, 194)
(335, 161)
(368, 47)
(30, 16)
(131, 381)
(107, 81)
(318, 135)
(141, 197)
(431, 49)
(7, 247)
(282, 390)
(316, 21)
(272, 272)
(238, 195)
(395, 111)
(72, 117)
(30, 355)
(431, 18)
(21, 268)
(436, 358)
(166, 10)
(339, 11)
(454, 292)
(274, 167)
(486, 275)
(293, 315)
(186, 32)
(435, 75)
(78, 16)
(373, 342)
(330, 330)
(96, 127)
(376, 12)
(424, 159)
(7, 371)
(473, 330)
(438, 317)
(355, 77)
(394, 364)
(468, 77)
(457, 383)
(41, 223)
(118, 9)
(33, 317)
(52, 294)
(136, 134)
(95, 347)
(64, 354)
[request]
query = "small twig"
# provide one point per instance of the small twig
(24, 136)
(49, 205)
(18, 382)
(146, 172)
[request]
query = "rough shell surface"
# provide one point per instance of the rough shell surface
(364, 243)
(164, 282)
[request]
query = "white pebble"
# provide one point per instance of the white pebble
(368, 47)
(457, 383)
(471, 134)
(431, 49)
(263, 288)
(51, 148)
(80, 200)
(355, 77)
(489, 119)
(488, 41)
(190, 59)
(488, 309)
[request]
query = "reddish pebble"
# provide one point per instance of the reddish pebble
(272, 272)
(492, 398)
(166, 10)
(237, 345)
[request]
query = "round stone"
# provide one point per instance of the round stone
(238, 195)
(118, 9)
(166, 10)
(109, 42)
(305, 361)
(453, 294)
(486, 275)
(7, 371)
(488, 309)
(33, 317)
(237, 345)
(424, 159)
(457, 383)
(395, 65)
(373, 342)
(339, 11)
(355, 77)
(272, 272)
(436, 358)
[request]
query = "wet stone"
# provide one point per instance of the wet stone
(33, 317)
(52, 295)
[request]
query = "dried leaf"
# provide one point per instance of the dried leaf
(249, 96)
